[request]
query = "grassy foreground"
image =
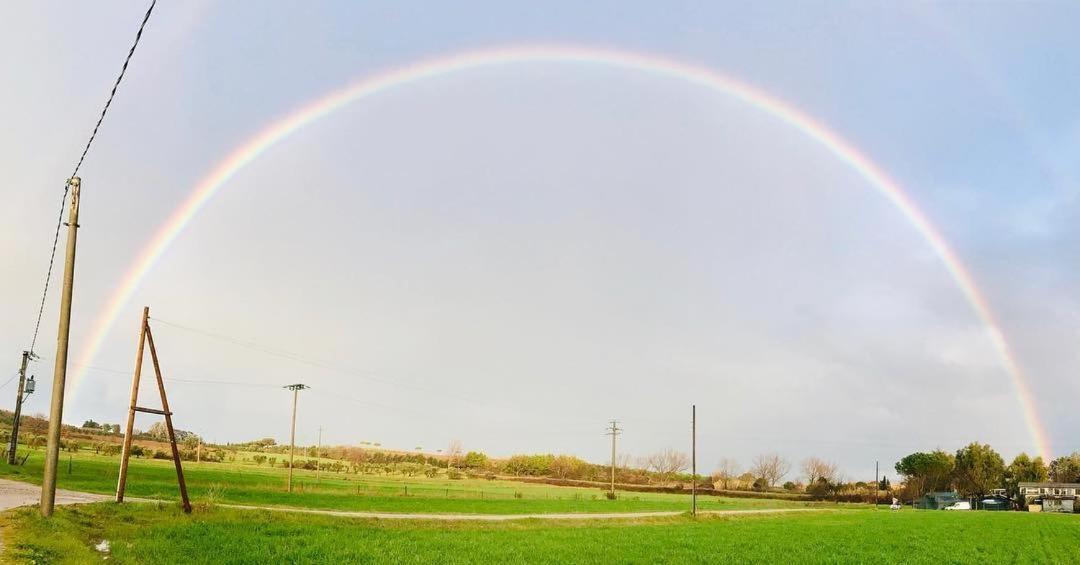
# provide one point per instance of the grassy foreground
(248, 484)
(161, 534)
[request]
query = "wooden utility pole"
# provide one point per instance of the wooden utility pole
(146, 337)
(296, 388)
(693, 459)
(56, 408)
(614, 430)
(14, 444)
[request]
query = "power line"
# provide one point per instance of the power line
(52, 259)
(227, 383)
(7, 382)
(332, 395)
(93, 134)
(82, 157)
(296, 357)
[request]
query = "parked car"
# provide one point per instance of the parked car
(961, 505)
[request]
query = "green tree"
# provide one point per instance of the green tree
(1024, 469)
(474, 460)
(1066, 469)
(91, 425)
(926, 472)
(979, 470)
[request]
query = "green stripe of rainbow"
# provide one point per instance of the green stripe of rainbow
(493, 57)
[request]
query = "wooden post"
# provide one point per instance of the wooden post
(168, 420)
(146, 337)
(121, 483)
(693, 460)
(14, 440)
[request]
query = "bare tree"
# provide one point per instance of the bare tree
(453, 452)
(770, 467)
(667, 462)
(726, 472)
(815, 469)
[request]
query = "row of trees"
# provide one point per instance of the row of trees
(977, 470)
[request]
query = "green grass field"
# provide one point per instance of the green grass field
(249, 484)
(149, 533)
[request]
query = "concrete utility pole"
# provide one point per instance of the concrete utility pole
(693, 459)
(26, 356)
(877, 483)
(56, 409)
(296, 388)
(614, 432)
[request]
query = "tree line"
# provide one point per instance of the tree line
(978, 470)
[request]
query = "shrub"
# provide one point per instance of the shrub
(610, 495)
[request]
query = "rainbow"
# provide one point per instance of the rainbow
(688, 73)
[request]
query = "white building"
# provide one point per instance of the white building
(1052, 497)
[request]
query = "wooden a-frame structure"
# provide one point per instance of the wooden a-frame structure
(147, 338)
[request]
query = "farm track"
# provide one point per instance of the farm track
(14, 494)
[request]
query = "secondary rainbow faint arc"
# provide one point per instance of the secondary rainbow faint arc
(701, 76)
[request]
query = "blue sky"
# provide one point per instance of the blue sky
(563, 244)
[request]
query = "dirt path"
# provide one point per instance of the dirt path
(15, 493)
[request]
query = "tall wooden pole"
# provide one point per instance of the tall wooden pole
(14, 444)
(693, 459)
(296, 388)
(613, 431)
(168, 418)
(56, 408)
(292, 436)
(129, 427)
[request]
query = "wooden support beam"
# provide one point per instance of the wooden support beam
(146, 337)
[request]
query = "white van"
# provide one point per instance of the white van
(961, 505)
